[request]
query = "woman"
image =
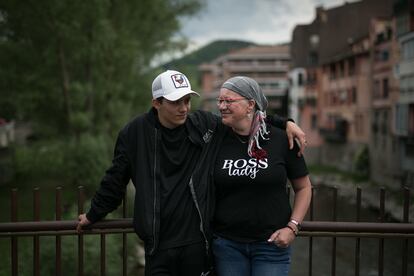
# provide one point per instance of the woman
(253, 222)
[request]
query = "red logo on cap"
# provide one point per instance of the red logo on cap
(179, 81)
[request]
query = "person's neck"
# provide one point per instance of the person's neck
(243, 127)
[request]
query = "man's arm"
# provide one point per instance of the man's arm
(295, 133)
(112, 189)
(209, 120)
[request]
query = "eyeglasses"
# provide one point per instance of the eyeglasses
(228, 101)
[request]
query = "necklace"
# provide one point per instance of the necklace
(240, 139)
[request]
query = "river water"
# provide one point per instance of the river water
(345, 258)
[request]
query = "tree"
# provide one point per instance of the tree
(79, 66)
(78, 70)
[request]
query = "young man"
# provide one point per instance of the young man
(167, 153)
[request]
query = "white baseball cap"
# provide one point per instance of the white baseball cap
(171, 85)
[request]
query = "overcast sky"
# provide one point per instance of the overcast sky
(259, 21)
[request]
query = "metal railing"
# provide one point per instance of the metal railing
(311, 229)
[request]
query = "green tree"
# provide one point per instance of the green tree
(79, 66)
(79, 70)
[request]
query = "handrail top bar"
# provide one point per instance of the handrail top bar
(316, 226)
(60, 225)
(362, 227)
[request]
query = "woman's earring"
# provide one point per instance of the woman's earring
(249, 115)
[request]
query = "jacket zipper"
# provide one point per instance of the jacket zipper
(199, 214)
(155, 192)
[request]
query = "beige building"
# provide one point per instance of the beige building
(344, 105)
(268, 65)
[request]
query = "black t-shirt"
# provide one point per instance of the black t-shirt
(180, 222)
(251, 195)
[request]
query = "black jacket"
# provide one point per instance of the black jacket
(136, 158)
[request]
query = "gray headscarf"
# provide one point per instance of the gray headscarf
(250, 89)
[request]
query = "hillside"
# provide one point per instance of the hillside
(208, 53)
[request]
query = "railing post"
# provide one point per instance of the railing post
(14, 242)
(103, 252)
(124, 241)
(334, 217)
(58, 246)
(358, 240)
(406, 207)
(36, 244)
(381, 241)
(310, 265)
(80, 236)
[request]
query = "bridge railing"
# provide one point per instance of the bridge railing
(310, 230)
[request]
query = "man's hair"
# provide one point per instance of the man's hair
(160, 99)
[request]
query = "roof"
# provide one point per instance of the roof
(257, 52)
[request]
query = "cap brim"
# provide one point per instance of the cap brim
(179, 94)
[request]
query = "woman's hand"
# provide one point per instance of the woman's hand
(294, 132)
(282, 237)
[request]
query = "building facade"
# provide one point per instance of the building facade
(338, 53)
(268, 65)
(404, 109)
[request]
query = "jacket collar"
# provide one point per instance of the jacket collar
(192, 127)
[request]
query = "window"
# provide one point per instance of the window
(385, 88)
(311, 77)
(332, 71)
(267, 62)
(333, 98)
(313, 58)
(314, 121)
(375, 124)
(354, 95)
(341, 69)
(351, 66)
(407, 48)
(377, 89)
(407, 84)
(385, 55)
(401, 119)
(384, 127)
(300, 79)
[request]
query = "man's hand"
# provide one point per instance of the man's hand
(294, 132)
(83, 221)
